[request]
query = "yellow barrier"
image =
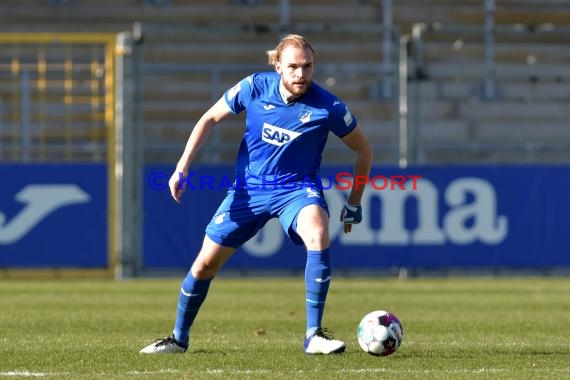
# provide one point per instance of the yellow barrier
(60, 92)
(57, 92)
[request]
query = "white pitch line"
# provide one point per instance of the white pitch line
(159, 372)
(30, 374)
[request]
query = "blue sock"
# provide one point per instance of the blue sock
(192, 294)
(317, 281)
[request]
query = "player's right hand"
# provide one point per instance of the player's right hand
(177, 186)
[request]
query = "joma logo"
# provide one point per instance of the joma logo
(277, 136)
(465, 221)
(40, 201)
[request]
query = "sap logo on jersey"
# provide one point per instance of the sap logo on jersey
(277, 136)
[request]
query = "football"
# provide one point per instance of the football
(380, 333)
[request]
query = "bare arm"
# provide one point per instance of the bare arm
(358, 143)
(198, 137)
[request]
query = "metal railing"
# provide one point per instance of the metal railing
(56, 96)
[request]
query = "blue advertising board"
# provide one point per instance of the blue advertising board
(56, 216)
(53, 216)
(420, 217)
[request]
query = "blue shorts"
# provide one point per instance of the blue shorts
(245, 211)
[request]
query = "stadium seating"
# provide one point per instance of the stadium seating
(195, 49)
(526, 120)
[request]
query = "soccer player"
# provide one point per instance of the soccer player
(288, 119)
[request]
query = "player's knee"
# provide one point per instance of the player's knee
(204, 270)
(316, 238)
(210, 259)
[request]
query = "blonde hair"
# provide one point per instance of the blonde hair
(296, 40)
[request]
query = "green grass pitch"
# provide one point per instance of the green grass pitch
(455, 328)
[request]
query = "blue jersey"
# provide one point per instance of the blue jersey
(284, 142)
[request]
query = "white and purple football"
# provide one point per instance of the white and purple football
(380, 333)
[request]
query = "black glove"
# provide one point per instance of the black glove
(351, 214)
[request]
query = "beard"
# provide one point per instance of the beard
(297, 88)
